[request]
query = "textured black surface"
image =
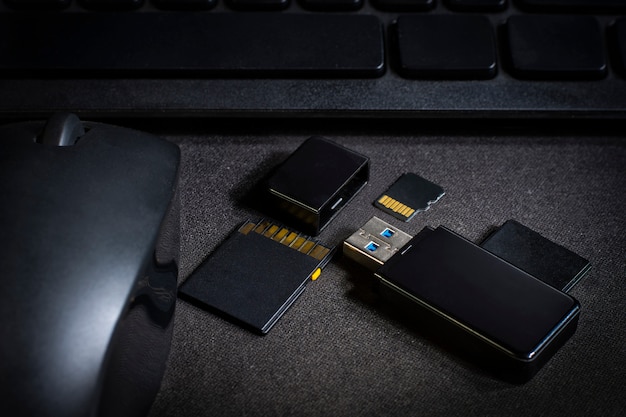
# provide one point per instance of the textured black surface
(337, 351)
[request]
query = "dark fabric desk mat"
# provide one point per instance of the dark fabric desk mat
(338, 351)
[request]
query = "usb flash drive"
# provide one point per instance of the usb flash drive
(479, 305)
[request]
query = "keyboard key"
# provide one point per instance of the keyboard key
(184, 4)
(477, 5)
(192, 44)
(404, 5)
(552, 47)
(37, 4)
(567, 6)
(108, 5)
(332, 5)
(446, 46)
(258, 4)
(619, 31)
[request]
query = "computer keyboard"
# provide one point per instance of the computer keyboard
(542, 59)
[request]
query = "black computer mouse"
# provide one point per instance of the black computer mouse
(86, 306)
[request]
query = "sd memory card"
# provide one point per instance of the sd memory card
(256, 274)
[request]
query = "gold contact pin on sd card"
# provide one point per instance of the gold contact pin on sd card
(256, 274)
(409, 195)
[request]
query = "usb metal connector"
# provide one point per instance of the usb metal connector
(374, 243)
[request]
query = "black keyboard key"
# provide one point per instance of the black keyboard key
(37, 4)
(111, 5)
(477, 5)
(619, 31)
(556, 47)
(567, 6)
(332, 5)
(258, 4)
(404, 5)
(184, 4)
(446, 46)
(192, 44)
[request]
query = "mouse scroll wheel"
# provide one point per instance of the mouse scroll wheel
(62, 129)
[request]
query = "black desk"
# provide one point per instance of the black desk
(337, 351)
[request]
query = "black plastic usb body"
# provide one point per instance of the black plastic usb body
(479, 305)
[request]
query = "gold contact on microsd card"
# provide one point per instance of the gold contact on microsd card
(396, 206)
(409, 195)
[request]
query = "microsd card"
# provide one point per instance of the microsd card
(409, 195)
(256, 274)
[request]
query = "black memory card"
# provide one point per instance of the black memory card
(409, 195)
(256, 274)
(537, 255)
